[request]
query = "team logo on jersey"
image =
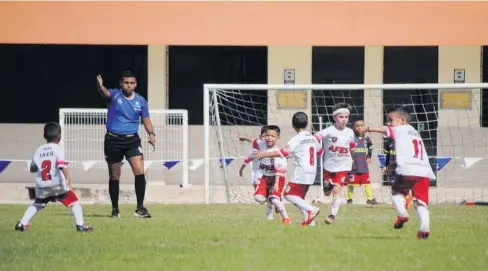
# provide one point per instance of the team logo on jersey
(334, 139)
(119, 100)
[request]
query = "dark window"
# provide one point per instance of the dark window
(37, 80)
(414, 65)
(192, 66)
(337, 65)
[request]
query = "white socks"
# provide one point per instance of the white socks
(78, 214)
(279, 206)
(399, 202)
(30, 213)
(423, 214)
(300, 203)
(335, 205)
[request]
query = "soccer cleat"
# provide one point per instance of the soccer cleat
(422, 235)
(286, 221)
(372, 202)
(311, 216)
(400, 222)
(115, 213)
(20, 227)
(83, 228)
(142, 213)
(349, 201)
(329, 220)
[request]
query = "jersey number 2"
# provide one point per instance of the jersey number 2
(417, 146)
(46, 169)
(312, 156)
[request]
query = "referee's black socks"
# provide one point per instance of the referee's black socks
(113, 190)
(140, 187)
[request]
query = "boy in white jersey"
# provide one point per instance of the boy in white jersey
(52, 180)
(255, 172)
(412, 169)
(305, 149)
(337, 162)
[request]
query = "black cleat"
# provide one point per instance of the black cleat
(83, 228)
(115, 213)
(349, 201)
(20, 227)
(422, 235)
(142, 213)
(372, 202)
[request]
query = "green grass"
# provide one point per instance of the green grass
(238, 237)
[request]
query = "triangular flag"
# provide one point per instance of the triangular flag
(88, 164)
(441, 162)
(170, 164)
(147, 164)
(28, 162)
(195, 164)
(3, 165)
(470, 161)
(382, 159)
(227, 161)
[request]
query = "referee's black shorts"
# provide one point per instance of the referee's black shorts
(117, 146)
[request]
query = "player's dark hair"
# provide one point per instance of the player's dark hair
(341, 105)
(264, 129)
(52, 131)
(127, 74)
(273, 128)
(402, 111)
(299, 120)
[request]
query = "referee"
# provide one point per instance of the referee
(125, 110)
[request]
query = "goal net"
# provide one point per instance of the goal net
(83, 132)
(447, 116)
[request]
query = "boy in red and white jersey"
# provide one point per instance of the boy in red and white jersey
(337, 161)
(52, 180)
(412, 169)
(304, 148)
(256, 173)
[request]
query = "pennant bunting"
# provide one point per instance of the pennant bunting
(87, 165)
(3, 165)
(170, 164)
(382, 159)
(441, 162)
(470, 161)
(28, 163)
(147, 164)
(227, 161)
(195, 164)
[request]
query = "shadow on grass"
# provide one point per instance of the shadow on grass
(367, 237)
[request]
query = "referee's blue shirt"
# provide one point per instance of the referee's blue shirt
(124, 114)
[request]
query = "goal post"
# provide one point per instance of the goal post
(447, 115)
(83, 132)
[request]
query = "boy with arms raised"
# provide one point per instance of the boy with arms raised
(255, 171)
(304, 148)
(52, 180)
(412, 169)
(339, 143)
(361, 160)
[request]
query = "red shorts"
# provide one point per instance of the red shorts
(266, 189)
(359, 179)
(336, 178)
(69, 198)
(418, 185)
(297, 189)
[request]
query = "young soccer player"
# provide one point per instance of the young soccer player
(52, 180)
(360, 169)
(389, 168)
(304, 148)
(339, 143)
(255, 171)
(412, 169)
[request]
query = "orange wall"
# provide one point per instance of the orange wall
(241, 23)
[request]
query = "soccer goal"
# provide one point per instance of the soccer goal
(83, 136)
(447, 115)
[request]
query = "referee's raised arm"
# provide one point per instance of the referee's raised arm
(126, 108)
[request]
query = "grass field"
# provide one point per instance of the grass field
(238, 237)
